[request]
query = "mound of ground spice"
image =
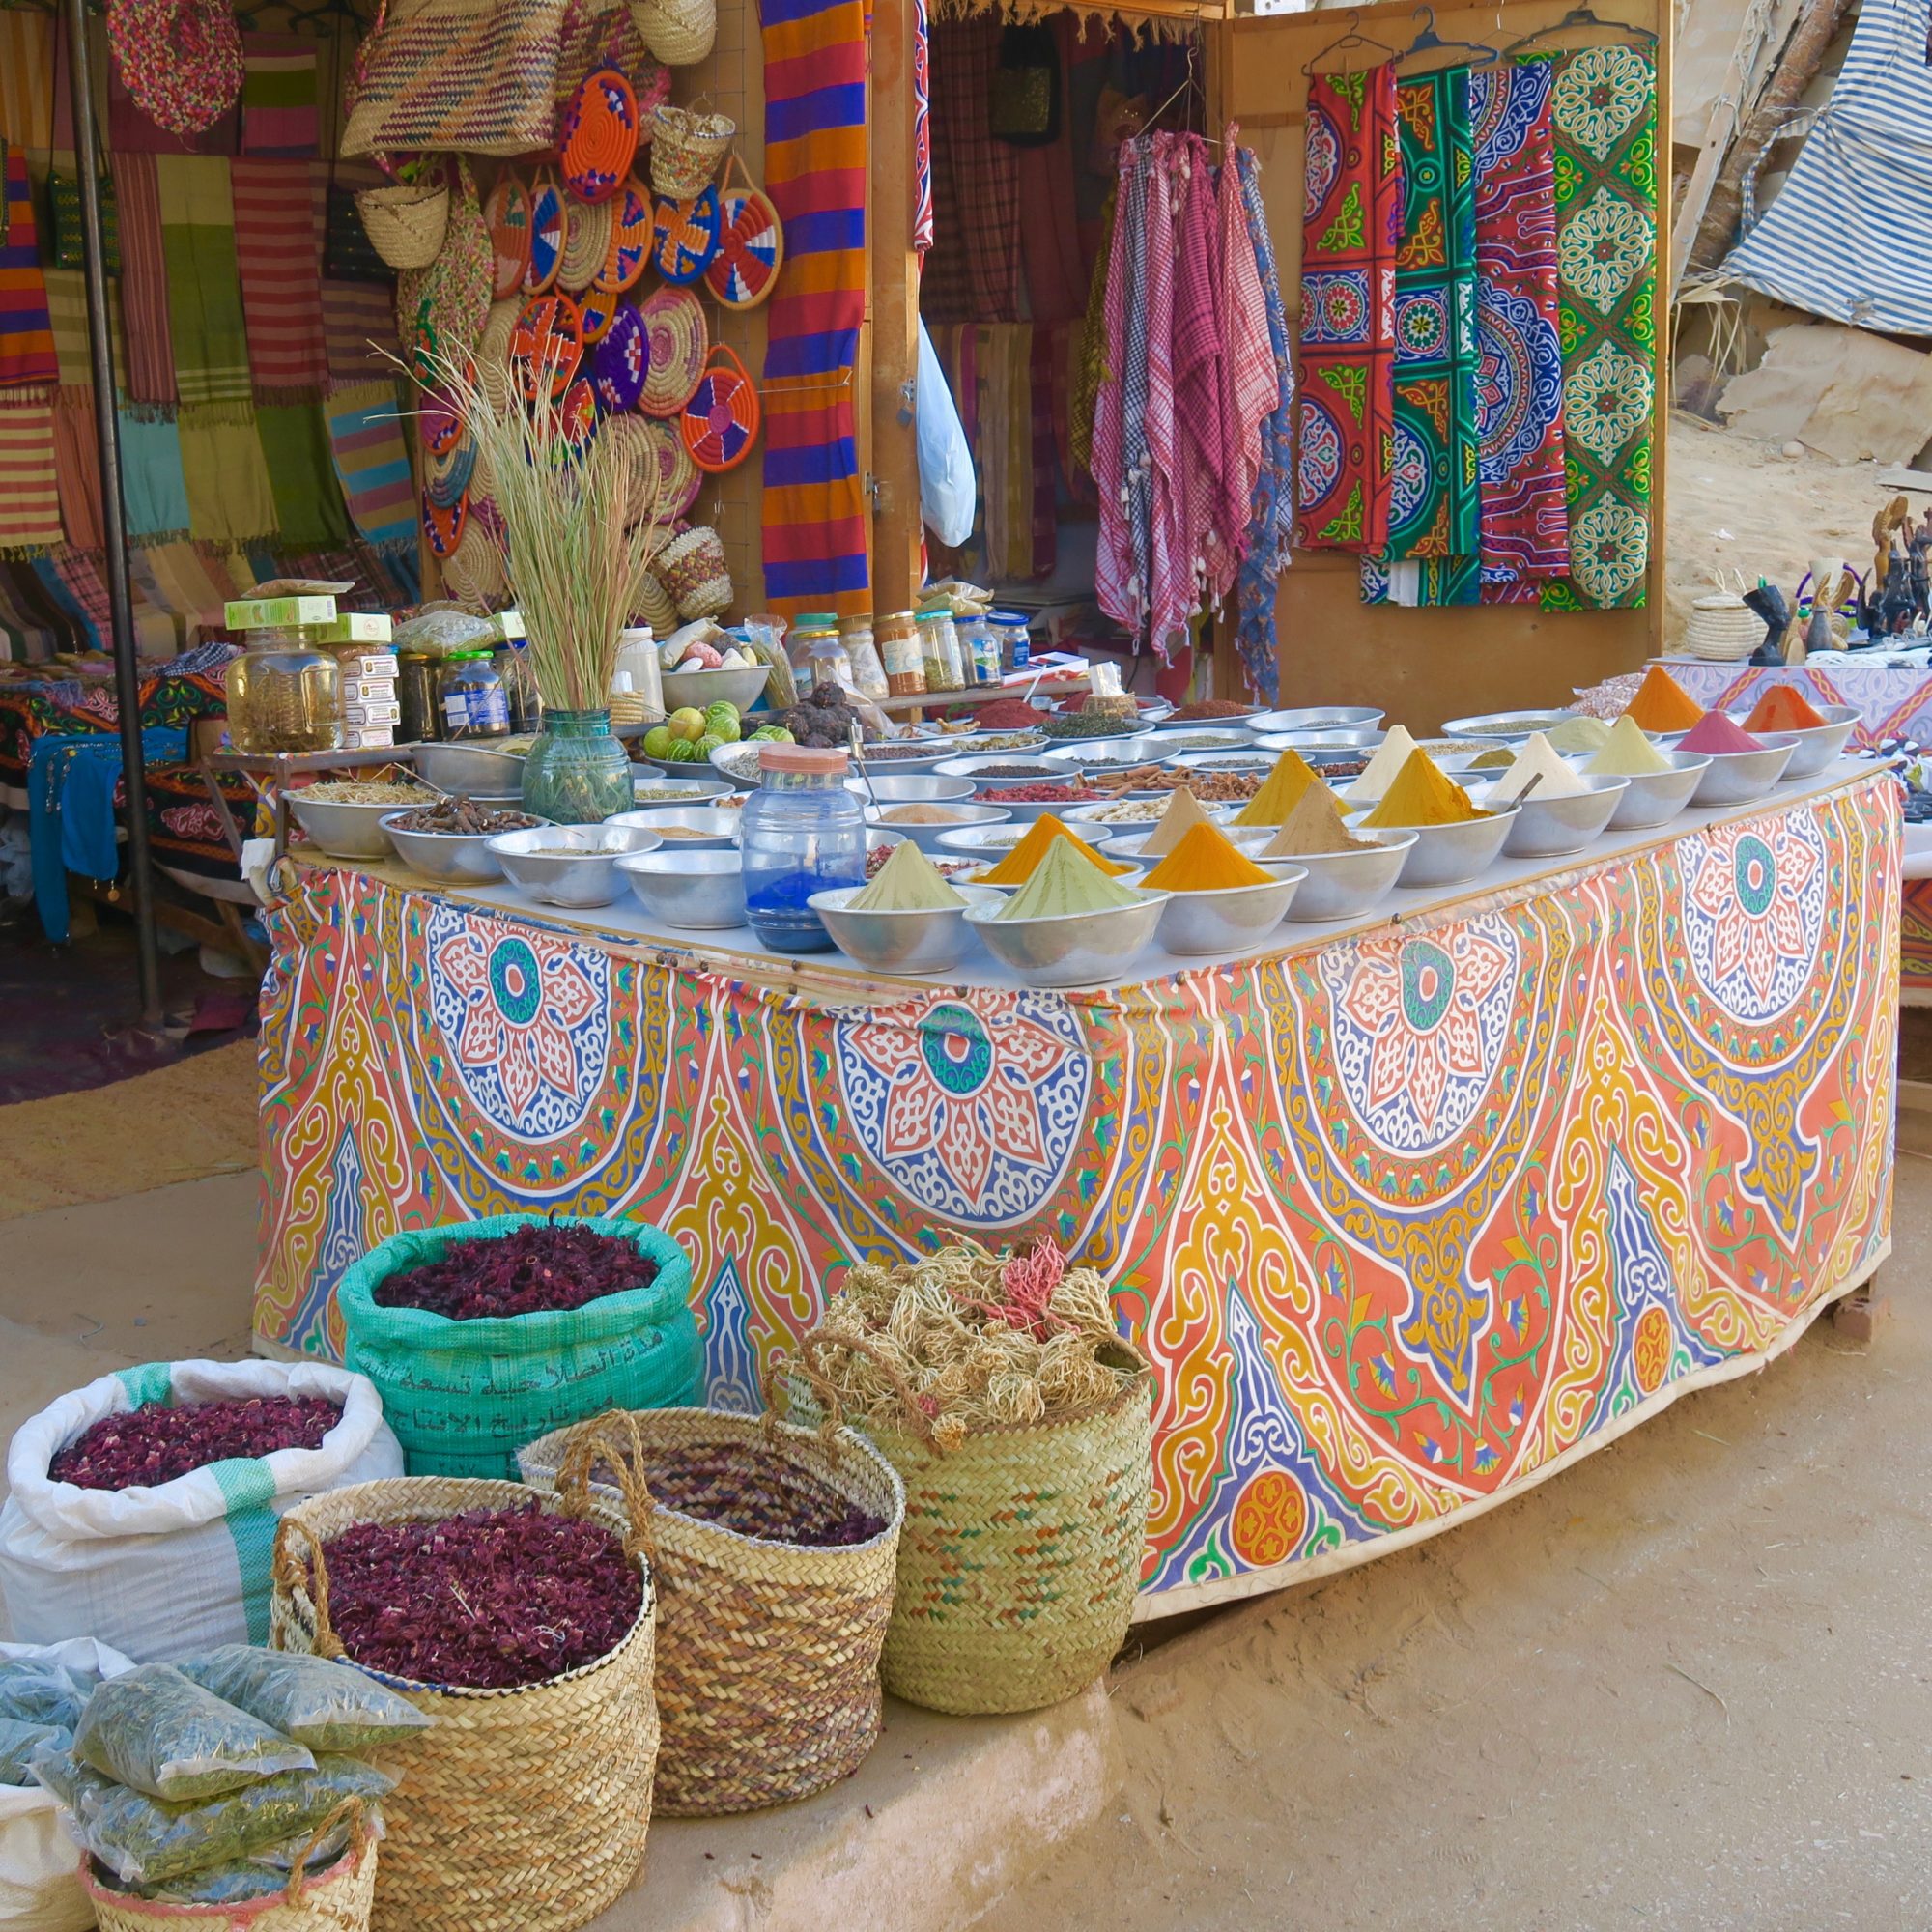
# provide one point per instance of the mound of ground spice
(1783, 708)
(1663, 705)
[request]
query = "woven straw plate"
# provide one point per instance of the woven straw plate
(750, 242)
(678, 479)
(442, 529)
(679, 339)
(620, 364)
(550, 230)
(507, 212)
(586, 247)
(631, 232)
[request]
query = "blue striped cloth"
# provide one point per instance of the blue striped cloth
(1846, 237)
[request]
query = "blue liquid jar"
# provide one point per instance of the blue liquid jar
(803, 832)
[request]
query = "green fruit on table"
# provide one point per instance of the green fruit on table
(687, 723)
(722, 720)
(771, 734)
(706, 744)
(658, 742)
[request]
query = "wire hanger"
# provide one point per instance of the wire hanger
(1351, 39)
(1584, 15)
(1429, 41)
(1190, 84)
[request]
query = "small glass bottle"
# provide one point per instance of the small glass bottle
(416, 673)
(1014, 638)
(822, 655)
(980, 654)
(869, 674)
(470, 697)
(803, 832)
(939, 651)
(283, 695)
(898, 646)
(519, 685)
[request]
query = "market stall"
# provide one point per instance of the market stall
(1408, 1213)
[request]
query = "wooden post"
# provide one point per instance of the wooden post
(895, 359)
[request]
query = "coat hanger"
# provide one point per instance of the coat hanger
(1351, 39)
(1429, 41)
(1584, 15)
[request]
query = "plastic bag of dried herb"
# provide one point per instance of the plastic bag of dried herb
(39, 1692)
(143, 1841)
(160, 1733)
(323, 1705)
(18, 1742)
(259, 1877)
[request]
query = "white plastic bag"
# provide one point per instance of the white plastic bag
(164, 1572)
(947, 489)
(39, 1886)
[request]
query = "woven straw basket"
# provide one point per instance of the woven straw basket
(405, 223)
(1021, 1552)
(768, 1651)
(335, 1900)
(654, 607)
(693, 571)
(1723, 628)
(678, 31)
(687, 149)
(524, 1810)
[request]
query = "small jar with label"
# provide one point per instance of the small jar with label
(1014, 638)
(980, 654)
(939, 651)
(819, 657)
(471, 699)
(900, 648)
(869, 674)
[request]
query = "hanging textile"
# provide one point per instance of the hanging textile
(1525, 523)
(152, 487)
(357, 318)
(282, 279)
(309, 511)
(922, 128)
(78, 467)
(1200, 376)
(205, 318)
(144, 283)
(1351, 224)
(1041, 367)
(80, 578)
(1271, 506)
(1093, 350)
(1603, 105)
(815, 525)
(1422, 582)
(372, 462)
(281, 100)
(1433, 495)
(67, 312)
(26, 333)
(973, 271)
(29, 496)
(26, 78)
(230, 500)
(130, 131)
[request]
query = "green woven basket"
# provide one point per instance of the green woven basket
(464, 1397)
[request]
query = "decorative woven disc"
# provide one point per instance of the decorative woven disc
(546, 346)
(631, 231)
(475, 570)
(508, 213)
(720, 421)
(684, 237)
(437, 423)
(493, 352)
(577, 415)
(597, 137)
(598, 310)
(673, 320)
(661, 448)
(447, 474)
(444, 528)
(618, 369)
(550, 229)
(751, 249)
(586, 247)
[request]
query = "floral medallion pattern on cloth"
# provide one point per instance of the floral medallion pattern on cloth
(1401, 1218)
(1525, 521)
(1604, 106)
(1351, 222)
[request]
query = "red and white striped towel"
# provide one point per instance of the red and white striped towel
(30, 519)
(282, 279)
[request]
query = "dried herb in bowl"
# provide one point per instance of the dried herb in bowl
(490, 1600)
(160, 1442)
(540, 1267)
(464, 817)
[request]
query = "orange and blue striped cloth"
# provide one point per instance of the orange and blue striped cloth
(26, 329)
(815, 163)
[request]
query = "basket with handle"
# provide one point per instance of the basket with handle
(337, 1899)
(1021, 1552)
(522, 1809)
(405, 222)
(1723, 628)
(720, 423)
(680, 33)
(694, 572)
(767, 1647)
(687, 149)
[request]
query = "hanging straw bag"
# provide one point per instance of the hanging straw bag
(1723, 628)
(1006, 1609)
(768, 1648)
(338, 1899)
(680, 33)
(406, 223)
(687, 150)
(522, 1810)
(693, 571)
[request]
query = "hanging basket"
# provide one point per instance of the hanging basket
(750, 242)
(405, 223)
(684, 238)
(522, 1810)
(631, 231)
(686, 149)
(507, 211)
(680, 33)
(597, 138)
(674, 323)
(550, 230)
(693, 571)
(720, 423)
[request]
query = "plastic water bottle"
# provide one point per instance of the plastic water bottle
(803, 832)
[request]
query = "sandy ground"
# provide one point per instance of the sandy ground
(1736, 504)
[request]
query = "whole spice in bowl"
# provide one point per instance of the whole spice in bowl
(1210, 787)
(465, 817)
(920, 814)
(1042, 794)
(534, 1269)
(392, 792)
(1063, 724)
(160, 1442)
(1211, 707)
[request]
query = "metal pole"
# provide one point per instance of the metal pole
(107, 432)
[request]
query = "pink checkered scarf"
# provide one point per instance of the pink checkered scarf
(1199, 336)
(1170, 587)
(1114, 562)
(1252, 379)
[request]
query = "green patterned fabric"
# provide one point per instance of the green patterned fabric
(1605, 111)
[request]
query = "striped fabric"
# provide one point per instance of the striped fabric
(358, 322)
(144, 283)
(29, 498)
(1845, 238)
(205, 318)
(282, 279)
(365, 438)
(815, 167)
(279, 96)
(26, 78)
(66, 311)
(77, 467)
(26, 335)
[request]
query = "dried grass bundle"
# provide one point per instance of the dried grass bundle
(579, 530)
(974, 1340)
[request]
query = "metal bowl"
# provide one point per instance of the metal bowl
(1817, 744)
(1320, 718)
(571, 864)
(722, 761)
(1546, 827)
(1458, 754)
(1178, 744)
(470, 769)
(686, 828)
(1345, 743)
(347, 831)
(1743, 777)
(456, 857)
(1445, 855)
(968, 770)
(1023, 811)
(1222, 921)
(1256, 758)
(926, 836)
(992, 745)
(1231, 721)
(916, 789)
(1248, 838)
(1154, 804)
(1653, 798)
(1344, 885)
(1098, 753)
(690, 791)
(992, 843)
(703, 890)
(923, 939)
(698, 688)
(1511, 726)
(1074, 948)
(1134, 876)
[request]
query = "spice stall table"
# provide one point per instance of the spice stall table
(1410, 1212)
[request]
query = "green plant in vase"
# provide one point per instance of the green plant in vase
(577, 530)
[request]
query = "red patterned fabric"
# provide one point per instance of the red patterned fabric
(282, 279)
(973, 269)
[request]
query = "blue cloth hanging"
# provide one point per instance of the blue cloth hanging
(71, 783)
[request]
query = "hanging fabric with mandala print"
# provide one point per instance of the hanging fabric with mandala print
(1351, 223)
(1604, 106)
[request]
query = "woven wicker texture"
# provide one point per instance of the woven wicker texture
(336, 1900)
(687, 149)
(456, 285)
(586, 244)
(692, 569)
(768, 1651)
(679, 32)
(679, 338)
(523, 1810)
(475, 570)
(597, 135)
(405, 223)
(507, 216)
(654, 607)
(1722, 629)
(631, 232)
(1020, 1557)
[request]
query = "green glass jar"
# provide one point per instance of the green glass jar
(577, 773)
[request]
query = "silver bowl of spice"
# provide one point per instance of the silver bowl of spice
(923, 823)
(450, 840)
(344, 817)
(571, 865)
